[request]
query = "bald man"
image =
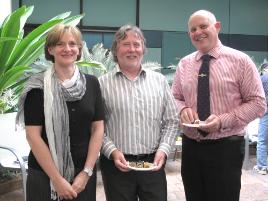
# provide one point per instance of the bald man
(213, 153)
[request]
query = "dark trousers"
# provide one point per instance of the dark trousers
(211, 170)
(129, 186)
(38, 187)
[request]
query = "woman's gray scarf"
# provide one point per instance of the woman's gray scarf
(56, 117)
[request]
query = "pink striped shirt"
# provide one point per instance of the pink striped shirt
(236, 92)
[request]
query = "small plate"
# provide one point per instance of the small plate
(194, 125)
(142, 169)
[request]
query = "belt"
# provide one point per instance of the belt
(232, 138)
(139, 156)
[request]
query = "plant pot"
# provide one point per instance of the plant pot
(10, 185)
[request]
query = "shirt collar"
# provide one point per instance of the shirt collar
(214, 52)
(117, 71)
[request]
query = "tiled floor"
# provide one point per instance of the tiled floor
(254, 186)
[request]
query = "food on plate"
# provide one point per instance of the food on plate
(194, 124)
(197, 121)
(132, 164)
(140, 164)
(147, 165)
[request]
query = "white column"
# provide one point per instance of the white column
(5, 9)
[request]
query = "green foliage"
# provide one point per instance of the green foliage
(153, 65)
(8, 101)
(100, 55)
(17, 52)
(6, 174)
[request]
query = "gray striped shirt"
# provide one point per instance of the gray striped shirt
(141, 114)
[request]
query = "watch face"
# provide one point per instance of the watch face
(88, 171)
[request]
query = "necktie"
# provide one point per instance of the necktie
(203, 95)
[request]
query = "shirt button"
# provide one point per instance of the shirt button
(73, 109)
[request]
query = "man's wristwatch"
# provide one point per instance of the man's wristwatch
(89, 171)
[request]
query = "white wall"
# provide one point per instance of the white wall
(5, 9)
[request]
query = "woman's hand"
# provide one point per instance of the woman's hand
(80, 182)
(64, 188)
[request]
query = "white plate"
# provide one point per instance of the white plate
(142, 169)
(194, 125)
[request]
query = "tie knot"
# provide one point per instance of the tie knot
(206, 58)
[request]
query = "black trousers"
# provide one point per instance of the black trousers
(211, 170)
(38, 187)
(133, 185)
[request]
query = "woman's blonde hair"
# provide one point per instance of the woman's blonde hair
(54, 36)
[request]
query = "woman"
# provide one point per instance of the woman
(63, 115)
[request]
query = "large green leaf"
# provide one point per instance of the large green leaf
(4, 22)
(31, 39)
(61, 16)
(25, 16)
(31, 53)
(12, 28)
(73, 21)
(11, 76)
(8, 26)
(91, 64)
(2, 39)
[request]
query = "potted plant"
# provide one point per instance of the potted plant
(10, 180)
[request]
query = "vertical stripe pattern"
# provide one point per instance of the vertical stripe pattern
(236, 93)
(141, 114)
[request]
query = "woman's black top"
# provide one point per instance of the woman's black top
(81, 114)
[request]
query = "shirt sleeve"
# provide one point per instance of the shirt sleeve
(34, 108)
(107, 146)
(170, 120)
(253, 103)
